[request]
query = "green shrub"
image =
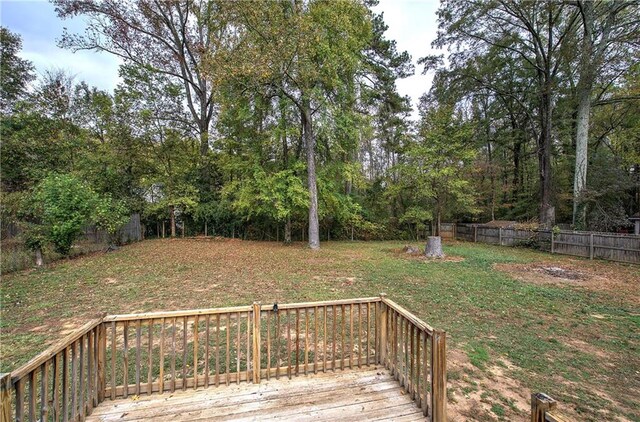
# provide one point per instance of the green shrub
(109, 215)
(64, 205)
(56, 211)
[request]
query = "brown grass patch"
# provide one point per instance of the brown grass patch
(621, 280)
(473, 392)
(419, 256)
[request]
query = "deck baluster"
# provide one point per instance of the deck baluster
(68, 383)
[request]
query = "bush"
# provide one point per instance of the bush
(58, 209)
(109, 215)
(63, 204)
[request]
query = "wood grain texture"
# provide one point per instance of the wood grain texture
(78, 372)
(369, 394)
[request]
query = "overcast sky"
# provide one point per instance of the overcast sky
(412, 23)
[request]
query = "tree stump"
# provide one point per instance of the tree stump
(433, 249)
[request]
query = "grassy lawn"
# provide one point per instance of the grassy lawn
(512, 328)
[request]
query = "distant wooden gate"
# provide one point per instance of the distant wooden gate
(448, 230)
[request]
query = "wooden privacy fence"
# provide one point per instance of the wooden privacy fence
(608, 246)
(118, 356)
(17, 256)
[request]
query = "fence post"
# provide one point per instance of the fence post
(500, 235)
(438, 376)
(256, 342)
(541, 404)
(475, 234)
(5, 397)
(382, 327)
(591, 246)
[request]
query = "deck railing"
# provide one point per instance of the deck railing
(63, 383)
(414, 352)
(119, 356)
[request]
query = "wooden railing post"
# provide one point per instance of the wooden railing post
(591, 246)
(256, 342)
(438, 377)
(5, 398)
(541, 404)
(382, 331)
(102, 367)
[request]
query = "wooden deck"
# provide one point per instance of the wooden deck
(359, 394)
(155, 366)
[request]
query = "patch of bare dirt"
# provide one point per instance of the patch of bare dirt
(473, 392)
(560, 272)
(617, 279)
(415, 253)
(590, 349)
(343, 281)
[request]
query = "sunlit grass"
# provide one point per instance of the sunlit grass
(488, 315)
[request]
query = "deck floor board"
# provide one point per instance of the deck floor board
(358, 394)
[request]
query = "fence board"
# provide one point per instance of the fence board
(607, 246)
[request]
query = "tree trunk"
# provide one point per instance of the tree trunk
(39, 260)
(205, 173)
(547, 211)
(517, 148)
(314, 229)
(584, 88)
(433, 249)
(492, 178)
(582, 139)
(172, 217)
(287, 231)
(546, 78)
(283, 126)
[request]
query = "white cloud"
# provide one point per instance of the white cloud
(413, 24)
(100, 70)
(36, 22)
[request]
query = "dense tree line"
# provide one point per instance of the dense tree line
(281, 120)
(545, 79)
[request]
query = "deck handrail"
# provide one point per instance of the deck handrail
(173, 314)
(115, 356)
(69, 374)
(406, 340)
(408, 315)
(54, 349)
